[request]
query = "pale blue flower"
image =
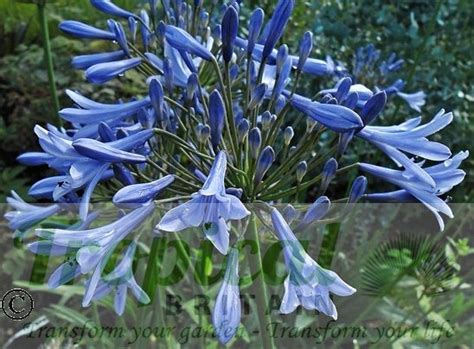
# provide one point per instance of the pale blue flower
(120, 280)
(26, 215)
(95, 245)
(445, 175)
(227, 311)
(210, 208)
(307, 283)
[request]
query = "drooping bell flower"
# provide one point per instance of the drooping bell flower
(307, 283)
(227, 311)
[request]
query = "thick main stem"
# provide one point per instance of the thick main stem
(259, 287)
(48, 58)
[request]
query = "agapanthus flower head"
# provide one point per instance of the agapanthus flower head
(216, 124)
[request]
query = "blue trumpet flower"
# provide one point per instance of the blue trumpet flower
(26, 215)
(307, 283)
(415, 100)
(227, 311)
(211, 207)
(445, 175)
(120, 280)
(94, 246)
(410, 137)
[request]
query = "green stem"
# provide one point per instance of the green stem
(48, 58)
(260, 288)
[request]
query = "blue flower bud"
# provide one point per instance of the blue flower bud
(255, 25)
(169, 75)
(203, 132)
(216, 34)
(343, 88)
(344, 140)
(204, 18)
(145, 33)
(230, 27)
(288, 134)
(373, 107)
(243, 129)
(280, 103)
(359, 186)
(289, 213)
(301, 169)
(157, 98)
(335, 117)
(258, 94)
(86, 61)
(255, 141)
(306, 45)
(282, 56)
(132, 26)
(85, 31)
(103, 152)
(351, 100)
(123, 174)
(266, 120)
(234, 71)
(264, 162)
(217, 115)
(110, 8)
(314, 213)
(329, 171)
(192, 86)
(104, 72)
(105, 132)
(135, 195)
(277, 25)
(183, 41)
(227, 311)
(146, 117)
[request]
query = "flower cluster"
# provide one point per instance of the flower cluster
(369, 68)
(220, 123)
